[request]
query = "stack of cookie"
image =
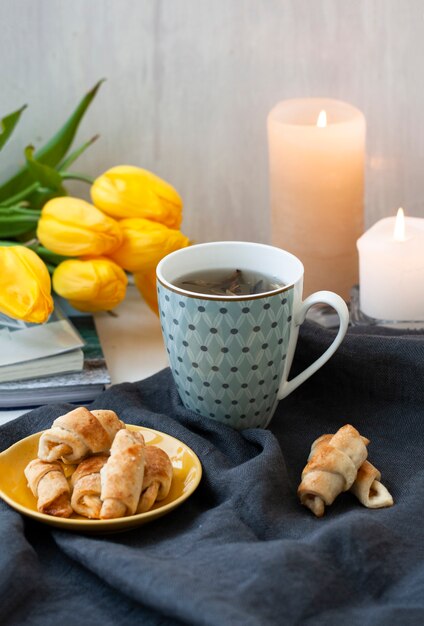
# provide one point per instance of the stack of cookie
(113, 473)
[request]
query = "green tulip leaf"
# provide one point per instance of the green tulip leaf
(66, 163)
(8, 123)
(47, 176)
(53, 151)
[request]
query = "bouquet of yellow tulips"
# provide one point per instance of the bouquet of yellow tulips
(83, 250)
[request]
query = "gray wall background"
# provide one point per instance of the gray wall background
(190, 83)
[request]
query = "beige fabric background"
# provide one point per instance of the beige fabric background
(190, 83)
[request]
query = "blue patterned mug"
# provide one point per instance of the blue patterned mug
(230, 356)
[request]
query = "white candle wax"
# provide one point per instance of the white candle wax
(391, 270)
(316, 161)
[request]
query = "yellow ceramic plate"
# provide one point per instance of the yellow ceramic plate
(14, 489)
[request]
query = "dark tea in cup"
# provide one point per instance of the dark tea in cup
(228, 282)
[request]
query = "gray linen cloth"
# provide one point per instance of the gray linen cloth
(242, 550)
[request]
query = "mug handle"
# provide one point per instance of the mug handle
(337, 303)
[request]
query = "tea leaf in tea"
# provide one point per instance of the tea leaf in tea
(228, 282)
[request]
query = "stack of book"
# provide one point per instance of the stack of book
(60, 361)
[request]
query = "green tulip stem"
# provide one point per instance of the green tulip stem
(50, 268)
(31, 243)
(21, 195)
(76, 176)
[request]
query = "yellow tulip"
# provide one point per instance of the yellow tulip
(145, 243)
(126, 191)
(95, 284)
(73, 227)
(24, 285)
(146, 284)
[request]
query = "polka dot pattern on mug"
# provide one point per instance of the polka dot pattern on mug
(228, 354)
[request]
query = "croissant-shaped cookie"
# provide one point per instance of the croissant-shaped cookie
(332, 468)
(49, 485)
(157, 478)
(78, 434)
(367, 486)
(122, 476)
(87, 486)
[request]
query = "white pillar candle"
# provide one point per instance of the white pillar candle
(391, 269)
(316, 159)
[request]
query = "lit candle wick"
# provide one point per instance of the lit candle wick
(322, 119)
(399, 230)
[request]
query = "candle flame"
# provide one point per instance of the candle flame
(399, 230)
(322, 119)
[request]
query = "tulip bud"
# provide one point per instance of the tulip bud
(96, 284)
(24, 285)
(73, 227)
(126, 191)
(146, 284)
(145, 243)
